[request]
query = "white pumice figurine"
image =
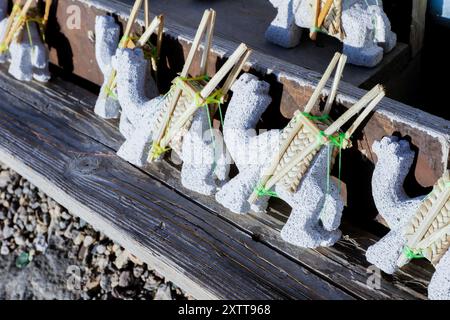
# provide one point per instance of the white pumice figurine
(200, 171)
(361, 25)
(316, 215)
(420, 227)
(27, 53)
(294, 163)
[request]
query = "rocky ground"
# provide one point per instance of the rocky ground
(47, 253)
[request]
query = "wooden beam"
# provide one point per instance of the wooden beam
(344, 264)
(419, 12)
(205, 255)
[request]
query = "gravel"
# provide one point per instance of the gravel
(48, 253)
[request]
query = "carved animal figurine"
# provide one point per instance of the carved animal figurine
(26, 51)
(420, 227)
(316, 214)
(107, 35)
(293, 163)
(198, 172)
(361, 25)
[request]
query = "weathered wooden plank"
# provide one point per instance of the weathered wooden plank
(344, 264)
(201, 252)
(417, 36)
(291, 84)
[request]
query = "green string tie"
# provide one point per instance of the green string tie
(317, 29)
(110, 93)
(411, 254)
(263, 192)
(157, 151)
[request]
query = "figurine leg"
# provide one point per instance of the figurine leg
(385, 253)
(235, 194)
(439, 287)
(363, 56)
(107, 107)
(303, 228)
(21, 66)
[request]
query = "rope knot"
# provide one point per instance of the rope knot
(261, 191)
(157, 151)
(412, 254)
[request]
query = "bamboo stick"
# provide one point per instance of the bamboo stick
(235, 72)
(220, 75)
(148, 32)
(10, 22)
(160, 35)
(357, 107)
(337, 80)
(208, 43)
(323, 81)
(134, 12)
(184, 74)
(195, 44)
(365, 113)
(206, 92)
(146, 13)
(309, 106)
(48, 5)
(313, 34)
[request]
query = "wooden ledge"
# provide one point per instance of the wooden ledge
(50, 135)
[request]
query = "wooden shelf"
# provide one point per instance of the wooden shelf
(50, 135)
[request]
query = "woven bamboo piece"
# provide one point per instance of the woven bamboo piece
(428, 232)
(328, 17)
(304, 136)
(188, 94)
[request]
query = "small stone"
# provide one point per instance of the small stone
(19, 240)
(138, 271)
(44, 207)
(121, 260)
(82, 223)
(4, 249)
(7, 232)
(5, 179)
(88, 241)
(124, 279)
(78, 238)
(40, 243)
(65, 215)
(163, 293)
(100, 249)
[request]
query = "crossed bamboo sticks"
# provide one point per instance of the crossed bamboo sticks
(233, 66)
(157, 25)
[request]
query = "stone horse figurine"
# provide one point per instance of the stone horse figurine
(316, 202)
(420, 222)
(361, 25)
(204, 157)
(26, 51)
